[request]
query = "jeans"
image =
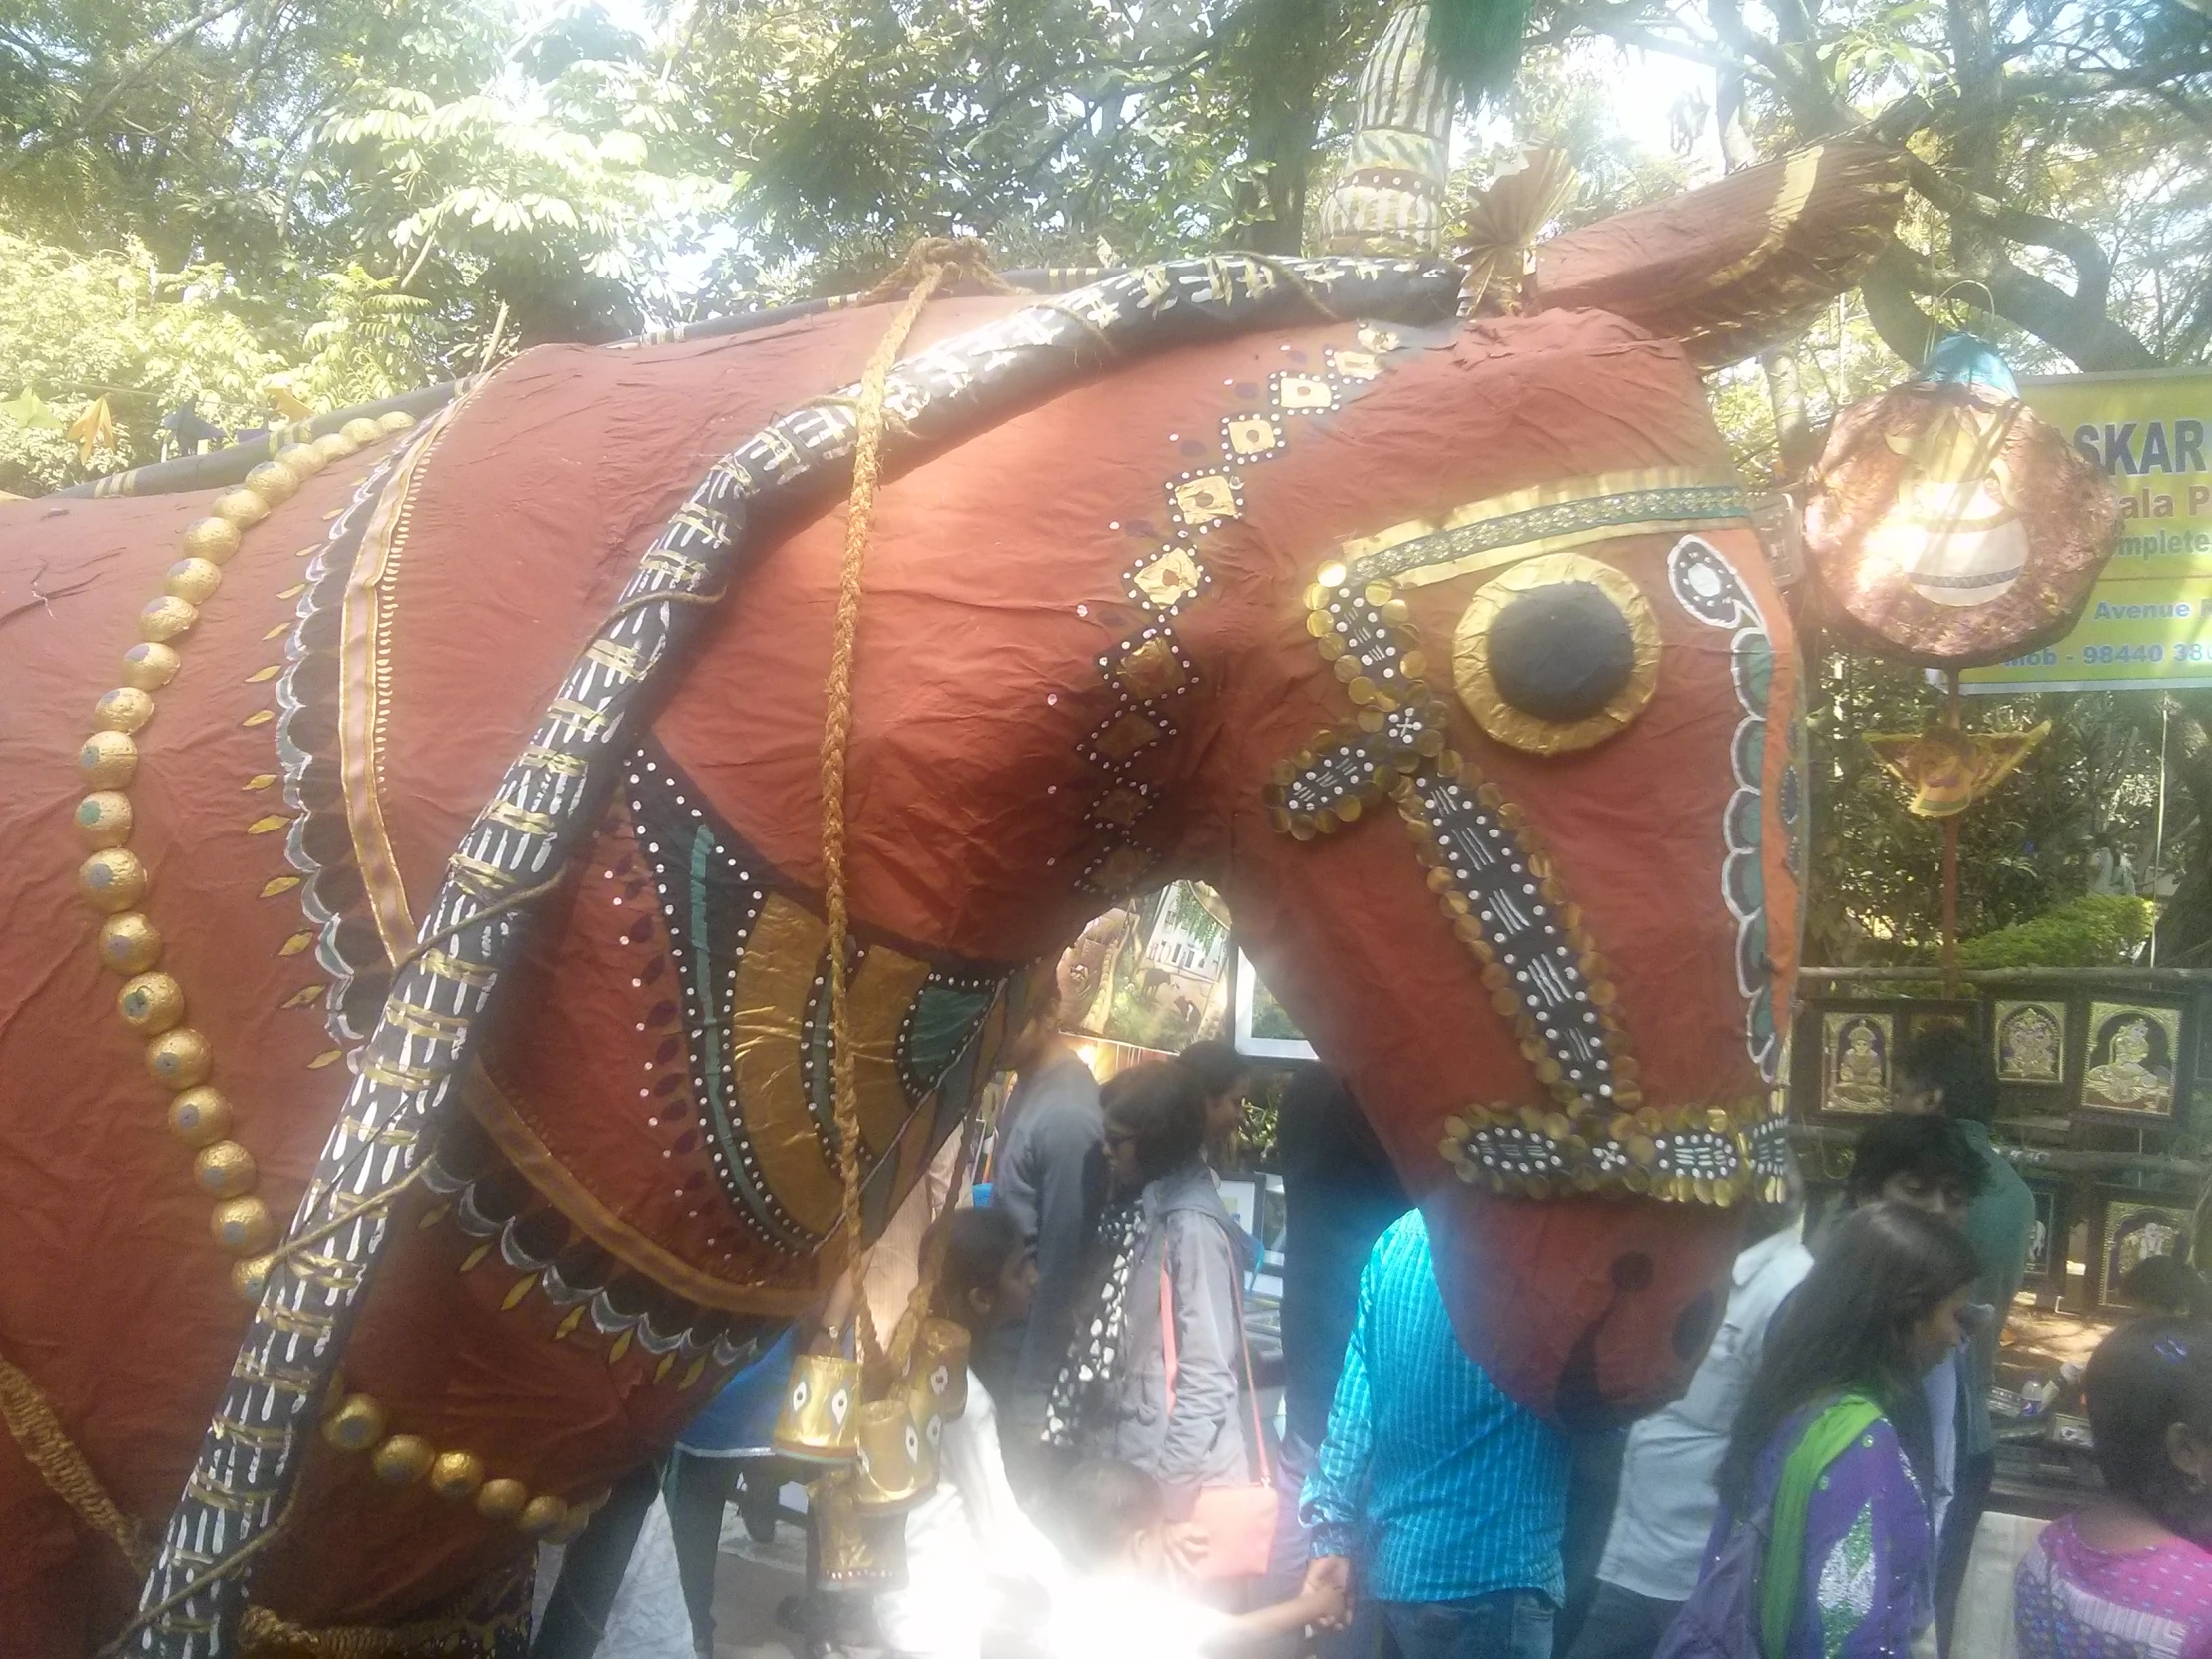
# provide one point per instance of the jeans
(1622, 1624)
(592, 1567)
(1508, 1624)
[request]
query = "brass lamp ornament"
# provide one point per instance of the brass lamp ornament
(1947, 770)
(1946, 524)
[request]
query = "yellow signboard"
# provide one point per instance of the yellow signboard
(2146, 625)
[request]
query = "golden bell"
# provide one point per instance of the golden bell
(922, 1407)
(856, 1550)
(821, 1411)
(941, 1365)
(889, 1474)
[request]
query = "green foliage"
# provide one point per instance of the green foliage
(1875, 889)
(2094, 930)
(78, 327)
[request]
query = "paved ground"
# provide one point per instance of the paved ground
(750, 1580)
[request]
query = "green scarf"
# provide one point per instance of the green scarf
(1824, 1439)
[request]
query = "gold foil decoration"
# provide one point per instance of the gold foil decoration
(275, 482)
(502, 1501)
(193, 580)
(242, 1226)
(223, 1168)
(1203, 499)
(107, 760)
(112, 880)
(541, 1515)
(104, 818)
(890, 1458)
(355, 1426)
(215, 540)
(402, 1460)
(458, 1476)
(125, 708)
(166, 618)
(1947, 769)
(819, 1422)
(856, 1550)
(199, 1116)
(363, 430)
(242, 507)
(1151, 670)
(1168, 580)
(129, 943)
(941, 1365)
(150, 1003)
(1470, 661)
(148, 666)
(1498, 231)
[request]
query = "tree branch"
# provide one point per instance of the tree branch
(2094, 343)
(162, 48)
(2092, 270)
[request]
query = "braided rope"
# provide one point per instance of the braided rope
(267, 1635)
(927, 266)
(47, 1447)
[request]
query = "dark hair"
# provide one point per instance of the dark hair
(2166, 1283)
(1214, 1065)
(1848, 1328)
(977, 1246)
(1162, 1106)
(1933, 1148)
(2149, 1374)
(1949, 1060)
(1099, 1507)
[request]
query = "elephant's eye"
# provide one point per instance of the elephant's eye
(1557, 654)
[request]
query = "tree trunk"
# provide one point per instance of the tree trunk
(2185, 923)
(1282, 61)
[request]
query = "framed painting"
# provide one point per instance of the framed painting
(2030, 1041)
(1857, 1046)
(1152, 973)
(2047, 1238)
(1261, 1030)
(2131, 1068)
(2136, 1228)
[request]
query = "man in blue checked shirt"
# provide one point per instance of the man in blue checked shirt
(1449, 1496)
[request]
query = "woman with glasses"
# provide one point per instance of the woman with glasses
(1152, 1379)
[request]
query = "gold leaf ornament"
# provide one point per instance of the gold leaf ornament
(1497, 233)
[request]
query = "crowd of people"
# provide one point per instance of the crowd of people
(1113, 1489)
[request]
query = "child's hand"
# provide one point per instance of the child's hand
(1326, 1605)
(1326, 1592)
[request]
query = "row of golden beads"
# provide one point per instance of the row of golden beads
(114, 880)
(359, 1424)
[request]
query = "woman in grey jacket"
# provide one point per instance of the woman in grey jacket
(1169, 1264)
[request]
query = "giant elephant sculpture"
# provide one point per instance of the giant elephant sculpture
(439, 867)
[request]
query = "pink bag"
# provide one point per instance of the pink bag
(1238, 1520)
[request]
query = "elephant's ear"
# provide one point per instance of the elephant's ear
(1729, 269)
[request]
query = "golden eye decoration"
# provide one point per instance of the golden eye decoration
(1557, 654)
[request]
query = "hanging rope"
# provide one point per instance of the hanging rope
(47, 1447)
(928, 264)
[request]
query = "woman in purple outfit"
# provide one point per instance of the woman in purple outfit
(2130, 1576)
(1823, 1549)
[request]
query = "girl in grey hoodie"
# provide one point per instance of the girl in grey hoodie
(1169, 1268)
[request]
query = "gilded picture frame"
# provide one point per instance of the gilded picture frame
(2132, 1064)
(2030, 1040)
